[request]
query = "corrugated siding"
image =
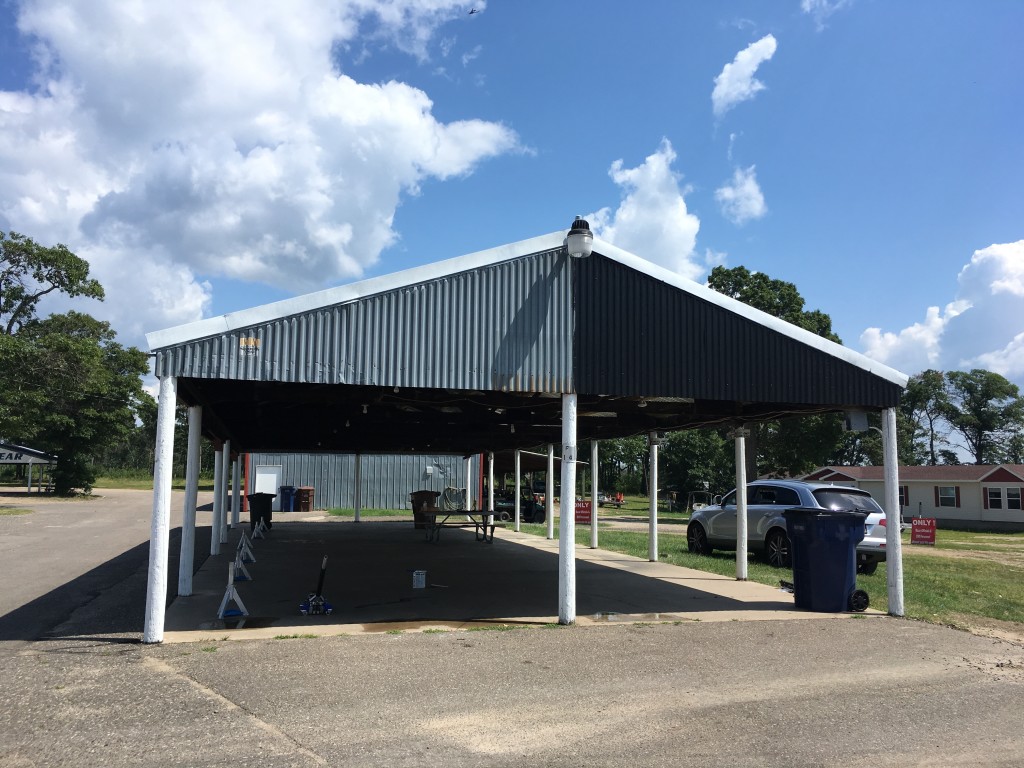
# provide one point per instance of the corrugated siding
(503, 327)
(636, 335)
(386, 481)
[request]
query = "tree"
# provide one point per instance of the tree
(29, 271)
(69, 387)
(986, 410)
(926, 404)
(86, 390)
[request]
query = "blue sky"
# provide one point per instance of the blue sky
(210, 157)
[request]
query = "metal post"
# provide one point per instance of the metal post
(236, 491)
(225, 468)
(357, 496)
(652, 525)
(519, 489)
(159, 535)
(740, 434)
(567, 516)
(893, 541)
(469, 482)
(593, 494)
(218, 480)
(490, 482)
(186, 558)
(549, 492)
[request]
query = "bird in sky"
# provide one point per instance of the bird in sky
(472, 11)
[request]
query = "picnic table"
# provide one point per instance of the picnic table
(481, 521)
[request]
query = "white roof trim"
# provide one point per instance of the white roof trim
(247, 318)
(744, 310)
(343, 294)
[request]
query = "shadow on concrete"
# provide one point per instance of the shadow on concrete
(109, 599)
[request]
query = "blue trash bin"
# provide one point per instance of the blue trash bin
(287, 498)
(824, 553)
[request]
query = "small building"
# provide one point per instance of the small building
(27, 459)
(968, 496)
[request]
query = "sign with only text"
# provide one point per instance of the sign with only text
(922, 530)
(583, 512)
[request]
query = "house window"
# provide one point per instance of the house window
(1013, 498)
(995, 498)
(947, 495)
(904, 496)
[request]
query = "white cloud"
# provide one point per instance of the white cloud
(652, 220)
(742, 200)
(982, 328)
(737, 83)
(820, 10)
(202, 139)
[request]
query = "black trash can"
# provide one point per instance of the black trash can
(287, 498)
(824, 551)
(261, 506)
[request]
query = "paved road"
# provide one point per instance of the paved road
(864, 692)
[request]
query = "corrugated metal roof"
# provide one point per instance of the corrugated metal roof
(502, 327)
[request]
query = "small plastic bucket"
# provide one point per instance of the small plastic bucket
(419, 579)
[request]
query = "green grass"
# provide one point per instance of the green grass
(295, 637)
(945, 590)
(14, 511)
(349, 512)
(145, 483)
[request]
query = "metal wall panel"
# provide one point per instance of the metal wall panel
(507, 327)
(386, 481)
(638, 336)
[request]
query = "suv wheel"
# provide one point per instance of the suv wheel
(776, 549)
(867, 567)
(697, 539)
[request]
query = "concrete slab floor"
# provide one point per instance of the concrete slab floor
(510, 581)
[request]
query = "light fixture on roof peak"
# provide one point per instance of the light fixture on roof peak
(580, 240)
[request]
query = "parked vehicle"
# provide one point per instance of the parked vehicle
(714, 527)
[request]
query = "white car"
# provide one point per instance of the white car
(714, 527)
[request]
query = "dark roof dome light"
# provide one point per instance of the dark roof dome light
(580, 240)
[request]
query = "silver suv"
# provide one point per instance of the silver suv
(714, 527)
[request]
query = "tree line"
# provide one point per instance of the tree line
(69, 388)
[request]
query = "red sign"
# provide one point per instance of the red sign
(583, 512)
(922, 530)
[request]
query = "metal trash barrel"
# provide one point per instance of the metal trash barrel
(261, 505)
(824, 553)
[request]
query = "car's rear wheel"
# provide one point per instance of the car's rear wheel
(538, 516)
(697, 539)
(776, 549)
(867, 567)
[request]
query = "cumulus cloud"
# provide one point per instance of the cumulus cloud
(652, 219)
(737, 83)
(200, 139)
(982, 328)
(741, 200)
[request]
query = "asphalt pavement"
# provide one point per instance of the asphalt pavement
(77, 688)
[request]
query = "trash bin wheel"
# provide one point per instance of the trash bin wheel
(858, 600)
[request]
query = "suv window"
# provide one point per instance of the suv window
(834, 498)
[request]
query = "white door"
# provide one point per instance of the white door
(268, 480)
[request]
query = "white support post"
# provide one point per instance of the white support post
(740, 435)
(218, 510)
(567, 516)
(159, 534)
(593, 494)
(891, 493)
(29, 488)
(225, 469)
(549, 492)
(652, 525)
(519, 480)
(357, 494)
(469, 482)
(490, 482)
(236, 491)
(186, 558)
